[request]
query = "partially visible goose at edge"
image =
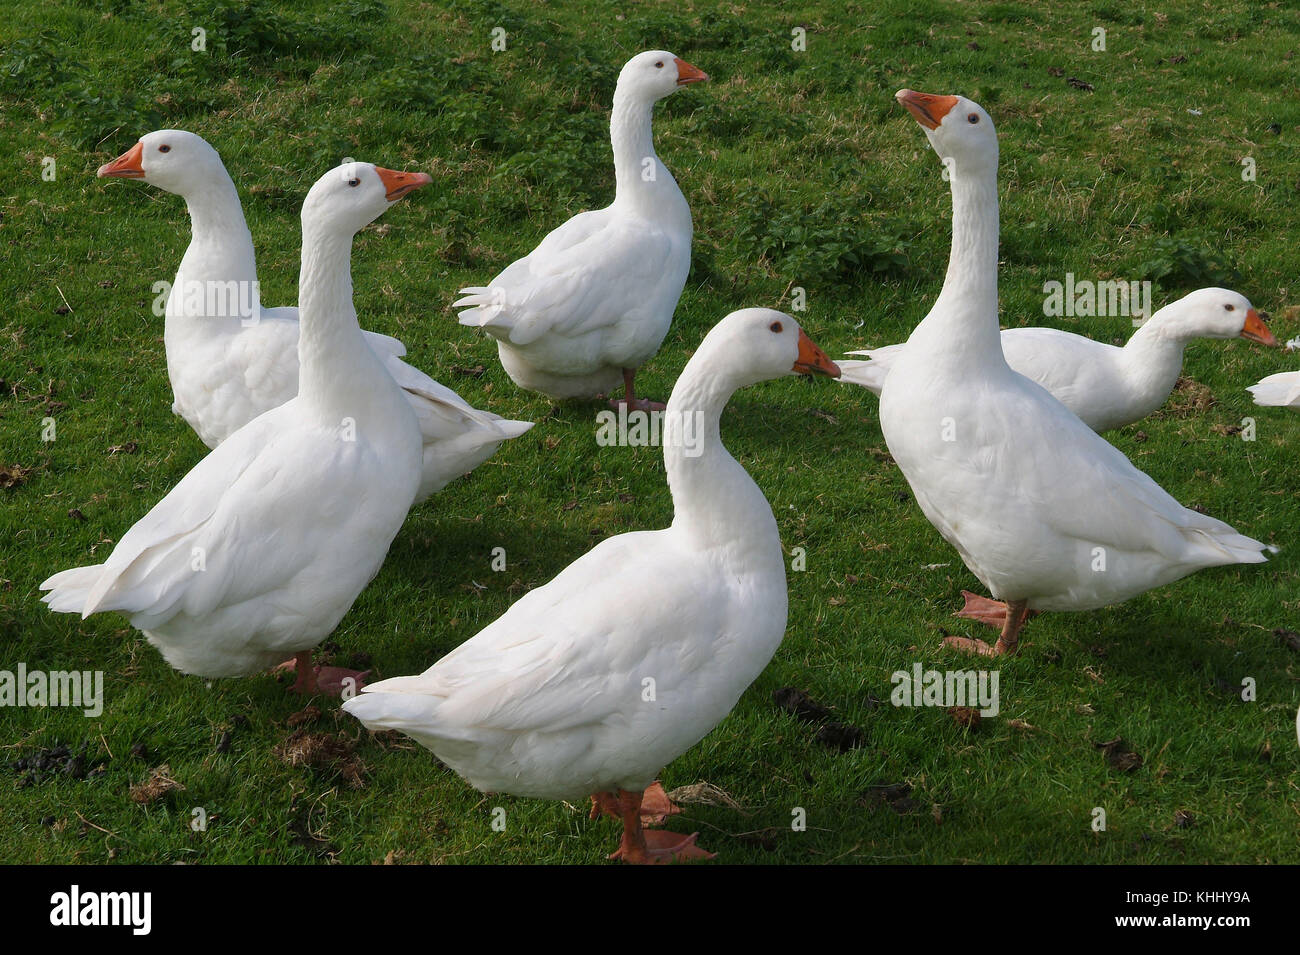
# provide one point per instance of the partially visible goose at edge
(1041, 509)
(230, 359)
(261, 549)
(549, 701)
(1105, 385)
(1281, 390)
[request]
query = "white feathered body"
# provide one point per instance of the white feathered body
(230, 360)
(564, 695)
(261, 549)
(225, 373)
(1038, 506)
(595, 297)
(598, 293)
(263, 546)
(1098, 382)
(1280, 390)
(635, 651)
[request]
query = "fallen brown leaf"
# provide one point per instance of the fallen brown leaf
(705, 794)
(159, 783)
(13, 475)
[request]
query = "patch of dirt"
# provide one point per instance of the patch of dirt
(56, 761)
(304, 717)
(965, 717)
(1189, 399)
(800, 705)
(838, 736)
(841, 736)
(324, 751)
(301, 833)
(1119, 756)
(13, 475)
(159, 783)
(897, 796)
(1288, 638)
(766, 839)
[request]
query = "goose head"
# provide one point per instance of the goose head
(958, 129)
(652, 75)
(758, 344)
(1217, 313)
(351, 196)
(171, 159)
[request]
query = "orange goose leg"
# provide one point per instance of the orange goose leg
(639, 846)
(1013, 617)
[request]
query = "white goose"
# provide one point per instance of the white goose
(1041, 509)
(261, 549)
(1107, 386)
(549, 701)
(229, 359)
(594, 301)
(1280, 390)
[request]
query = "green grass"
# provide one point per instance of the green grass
(801, 171)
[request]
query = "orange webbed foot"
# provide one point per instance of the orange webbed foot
(656, 806)
(992, 613)
(661, 847)
(329, 681)
(969, 645)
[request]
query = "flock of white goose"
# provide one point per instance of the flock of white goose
(323, 438)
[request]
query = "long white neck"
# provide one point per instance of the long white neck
(1153, 356)
(965, 316)
(715, 501)
(339, 375)
(220, 251)
(643, 184)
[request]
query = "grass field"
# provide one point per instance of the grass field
(801, 171)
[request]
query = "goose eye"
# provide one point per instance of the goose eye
(354, 182)
(659, 65)
(164, 149)
(1229, 308)
(776, 327)
(973, 118)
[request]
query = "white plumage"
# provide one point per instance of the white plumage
(594, 300)
(229, 359)
(261, 549)
(1042, 510)
(1280, 390)
(1106, 386)
(550, 700)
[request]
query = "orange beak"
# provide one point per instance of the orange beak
(926, 108)
(399, 184)
(812, 359)
(1256, 331)
(687, 73)
(126, 166)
